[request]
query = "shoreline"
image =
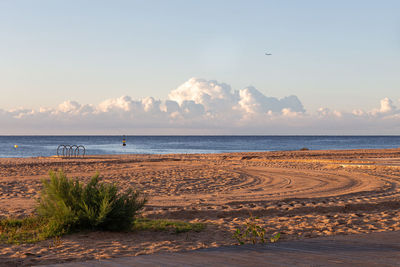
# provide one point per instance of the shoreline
(102, 156)
(300, 194)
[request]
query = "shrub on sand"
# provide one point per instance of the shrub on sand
(69, 205)
(66, 205)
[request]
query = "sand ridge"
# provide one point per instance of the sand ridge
(297, 193)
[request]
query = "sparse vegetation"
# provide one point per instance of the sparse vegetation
(253, 233)
(27, 230)
(67, 205)
(34, 229)
(166, 225)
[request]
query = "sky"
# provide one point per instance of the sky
(71, 66)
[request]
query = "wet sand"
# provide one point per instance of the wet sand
(301, 194)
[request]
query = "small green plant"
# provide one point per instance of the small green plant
(275, 238)
(68, 205)
(253, 233)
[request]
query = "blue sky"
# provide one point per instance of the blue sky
(343, 55)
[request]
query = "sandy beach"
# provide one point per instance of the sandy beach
(300, 194)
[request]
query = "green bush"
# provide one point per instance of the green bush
(69, 205)
(66, 205)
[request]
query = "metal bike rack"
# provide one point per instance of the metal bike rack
(71, 151)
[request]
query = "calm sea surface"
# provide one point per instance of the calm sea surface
(34, 146)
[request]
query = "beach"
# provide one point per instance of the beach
(299, 194)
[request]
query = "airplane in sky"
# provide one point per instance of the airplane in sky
(268, 54)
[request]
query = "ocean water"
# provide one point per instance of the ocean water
(34, 146)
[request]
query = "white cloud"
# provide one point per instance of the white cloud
(122, 103)
(358, 112)
(218, 97)
(200, 107)
(254, 102)
(201, 92)
(287, 112)
(69, 106)
(386, 107)
(324, 113)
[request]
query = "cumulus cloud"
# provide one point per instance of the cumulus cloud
(200, 106)
(202, 92)
(123, 103)
(386, 107)
(219, 97)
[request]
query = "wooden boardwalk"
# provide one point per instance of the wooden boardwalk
(377, 249)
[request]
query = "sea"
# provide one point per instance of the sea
(44, 146)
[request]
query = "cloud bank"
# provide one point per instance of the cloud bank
(200, 107)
